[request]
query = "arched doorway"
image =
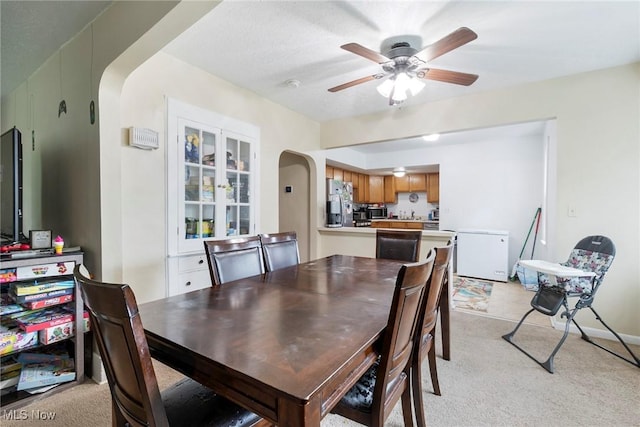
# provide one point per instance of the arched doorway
(294, 196)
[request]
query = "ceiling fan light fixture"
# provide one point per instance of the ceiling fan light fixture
(398, 85)
(386, 87)
(399, 172)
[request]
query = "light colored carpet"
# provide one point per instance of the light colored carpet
(488, 382)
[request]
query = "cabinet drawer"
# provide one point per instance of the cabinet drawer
(195, 262)
(191, 281)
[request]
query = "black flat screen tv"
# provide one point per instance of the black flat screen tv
(11, 186)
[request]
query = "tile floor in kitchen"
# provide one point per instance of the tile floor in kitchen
(509, 301)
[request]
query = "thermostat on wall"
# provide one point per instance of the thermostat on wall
(147, 139)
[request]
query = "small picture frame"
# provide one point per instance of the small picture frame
(40, 239)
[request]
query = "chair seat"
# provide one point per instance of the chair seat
(360, 396)
(189, 403)
(581, 259)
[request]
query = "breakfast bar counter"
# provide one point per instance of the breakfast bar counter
(361, 241)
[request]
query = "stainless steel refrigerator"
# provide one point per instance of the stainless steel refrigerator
(339, 203)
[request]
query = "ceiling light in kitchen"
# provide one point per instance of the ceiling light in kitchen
(431, 138)
(399, 172)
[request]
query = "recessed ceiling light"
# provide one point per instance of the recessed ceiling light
(431, 138)
(399, 172)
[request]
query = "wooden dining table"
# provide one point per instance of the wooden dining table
(286, 345)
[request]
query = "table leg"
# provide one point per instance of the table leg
(293, 414)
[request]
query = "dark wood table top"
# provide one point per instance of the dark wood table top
(285, 338)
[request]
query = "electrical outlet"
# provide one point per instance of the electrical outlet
(571, 211)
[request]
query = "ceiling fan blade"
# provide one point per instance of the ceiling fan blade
(355, 82)
(446, 76)
(459, 37)
(365, 52)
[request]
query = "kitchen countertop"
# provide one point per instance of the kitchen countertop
(430, 221)
(372, 230)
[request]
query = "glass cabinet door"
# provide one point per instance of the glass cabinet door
(238, 181)
(215, 185)
(197, 194)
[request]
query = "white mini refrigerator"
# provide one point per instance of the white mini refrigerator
(483, 254)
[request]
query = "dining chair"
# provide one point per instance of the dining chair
(426, 331)
(402, 245)
(135, 397)
(234, 258)
(280, 250)
(372, 398)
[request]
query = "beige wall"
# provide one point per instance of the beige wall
(294, 208)
(62, 169)
(143, 173)
(598, 162)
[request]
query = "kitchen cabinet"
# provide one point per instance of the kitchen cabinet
(211, 190)
(417, 182)
(338, 174)
(45, 267)
(355, 179)
(402, 184)
(363, 188)
(390, 193)
(376, 189)
(433, 187)
(328, 172)
(347, 176)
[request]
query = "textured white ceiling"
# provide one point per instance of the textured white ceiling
(261, 45)
(32, 31)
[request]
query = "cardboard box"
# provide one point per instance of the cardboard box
(14, 338)
(60, 332)
(45, 270)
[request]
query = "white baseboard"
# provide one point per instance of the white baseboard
(97, 369)
(596, 333)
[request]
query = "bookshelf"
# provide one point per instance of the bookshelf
(74, 345)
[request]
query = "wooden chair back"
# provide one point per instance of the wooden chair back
(234, 259)
(280, 250)
(401, 245)
(435, 287)
(425, 333)
(391, 375)
(119, 334)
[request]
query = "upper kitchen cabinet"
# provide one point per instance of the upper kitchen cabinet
(376, 189)
(329, 172)
(433, 187)
(363, 188)
(390, 192)
(410, 183)
(417, 182)
(338, 174)
(402, 184)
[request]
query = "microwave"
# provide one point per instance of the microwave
(376, 212)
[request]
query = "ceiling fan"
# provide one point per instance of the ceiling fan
(403, 67)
